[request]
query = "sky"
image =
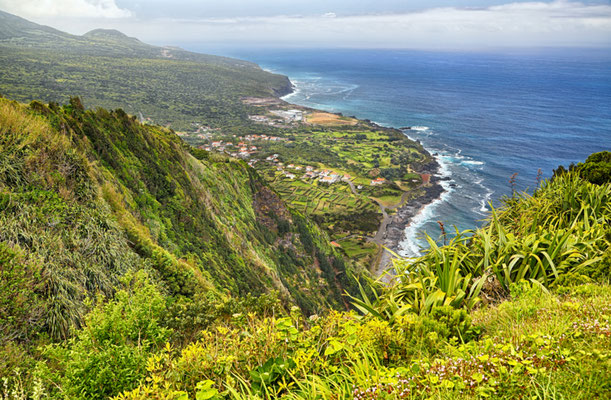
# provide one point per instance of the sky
(419, 24)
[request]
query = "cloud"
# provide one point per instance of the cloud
(557, 23)
(521, 24)
(65, 8)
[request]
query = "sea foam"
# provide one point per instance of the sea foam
(413, 243)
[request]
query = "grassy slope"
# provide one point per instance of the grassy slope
(545, 336)
(88, 196)
(543, 332)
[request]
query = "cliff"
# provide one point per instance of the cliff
(87, 197)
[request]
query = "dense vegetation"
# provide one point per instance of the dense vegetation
(109, 69)
(101, 298)
(133, 266)
(90, 200)
(596, 169)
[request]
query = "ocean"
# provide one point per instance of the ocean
(485, 115)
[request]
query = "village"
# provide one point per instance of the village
(241, 149)
(248, 151)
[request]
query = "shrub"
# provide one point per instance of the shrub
(109, 354)
(597, 168)
(19, 305)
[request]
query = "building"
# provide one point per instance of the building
(426, 178)
(378, 181)
(258, 118)
(329, 179)
(289, 115)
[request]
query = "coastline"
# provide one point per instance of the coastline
(395, 231)
(392, 229)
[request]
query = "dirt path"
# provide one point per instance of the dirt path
(353, 188)
(384, 257)
(379, 237)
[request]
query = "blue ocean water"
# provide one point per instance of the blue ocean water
(487, 116)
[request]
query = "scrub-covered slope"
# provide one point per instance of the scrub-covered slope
(108, 69)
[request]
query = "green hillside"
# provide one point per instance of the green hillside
(87, 197)
(127, 262)
(108, 69)
(208, 98)
(519, 309)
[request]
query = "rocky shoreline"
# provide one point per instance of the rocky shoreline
(404, 214)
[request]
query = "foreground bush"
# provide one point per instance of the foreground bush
(536, 345)
(110, 354)
(562, 233)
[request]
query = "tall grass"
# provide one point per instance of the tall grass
(563, 228)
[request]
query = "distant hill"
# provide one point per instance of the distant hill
(108, 34)
(18, 30)
(109, 69)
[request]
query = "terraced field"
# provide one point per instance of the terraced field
(310, 198)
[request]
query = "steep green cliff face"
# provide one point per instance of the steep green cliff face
(87, 196)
